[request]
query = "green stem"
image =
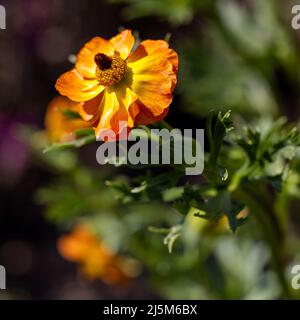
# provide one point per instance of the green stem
(166, 125)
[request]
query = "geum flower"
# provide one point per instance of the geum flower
(96, 260)
(118, 89)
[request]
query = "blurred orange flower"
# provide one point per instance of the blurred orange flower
(96, 260)
(121, 86)
(60, 126)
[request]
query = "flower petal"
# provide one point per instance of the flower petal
(76, 87)
(148, 47)
(153, 71)
(89, 110)
(114, 111)
(59, 127)
(126, 98)
(153, 91)
(77, 245)
(142, 115)
(85, 64)
(123, 43)
(108, 107)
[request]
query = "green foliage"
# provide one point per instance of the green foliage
(228, 233)
(165, 204)
(235, 64)
(217, 127)
(87, 137)
(177, 12)
(269, 153)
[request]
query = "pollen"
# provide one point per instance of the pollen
(110, 69)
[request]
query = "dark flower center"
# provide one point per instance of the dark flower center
(103, 61)
(110, 69)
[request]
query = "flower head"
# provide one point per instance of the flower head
(113, 84)
(97, 261)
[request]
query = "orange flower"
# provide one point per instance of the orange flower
(96, 260)
(60, 127)
(114, 85)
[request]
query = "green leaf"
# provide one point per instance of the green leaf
(159, 230)
(77, 143)
(269, 153)
(250, 143)
(218, 126)
(173, 194)
(84, 132)
(71, 115)
(234, 222)
(215, 207)
(191, 198)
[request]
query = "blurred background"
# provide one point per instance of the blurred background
(241, 55)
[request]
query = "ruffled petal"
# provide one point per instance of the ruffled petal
(123, 43)
(114, 112)
(153, 71)
(76, 87)
(89, 110)
(85, 64)
(148, 47)
(153, 91)
(142, 116)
